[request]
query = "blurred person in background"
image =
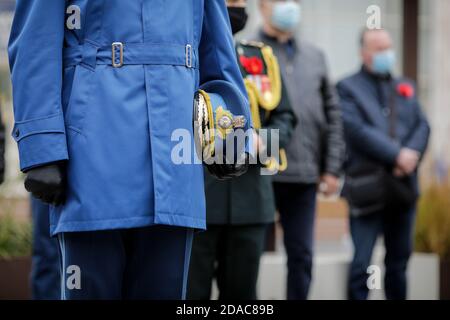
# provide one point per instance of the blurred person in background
(316, 151)
(2, 147)
(45, 273)
(387, 135)
(239, 210)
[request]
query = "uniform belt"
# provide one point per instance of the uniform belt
(119, 54)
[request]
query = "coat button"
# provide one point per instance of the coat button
(17, 133)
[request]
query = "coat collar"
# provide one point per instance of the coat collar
(292, 43)
(367, 85)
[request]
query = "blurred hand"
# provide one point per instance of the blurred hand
(329, 185)
(399, 173)
(407, 161)
(258, 144)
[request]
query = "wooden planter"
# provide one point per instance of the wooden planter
(445, 279)
(14, 278)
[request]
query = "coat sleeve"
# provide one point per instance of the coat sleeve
(361, 136)
(334, 134)
(35, 57)
(217, 54)
(418, 140)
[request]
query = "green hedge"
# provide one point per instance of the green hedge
(5, 83)
(15, 237)
(433, 221)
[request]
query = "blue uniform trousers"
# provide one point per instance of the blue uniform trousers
(297, 205)
(142, 263)
(45, 277)
(397, 228)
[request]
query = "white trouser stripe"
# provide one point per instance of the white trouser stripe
(63, 265)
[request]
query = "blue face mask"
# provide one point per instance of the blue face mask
(383, 62)
(286, 15)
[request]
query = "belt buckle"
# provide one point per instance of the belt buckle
(188, 56)
(114, 47)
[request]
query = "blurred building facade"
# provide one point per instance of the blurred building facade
(420, 30)
(6, 10)
(434, 77)
(13, 186)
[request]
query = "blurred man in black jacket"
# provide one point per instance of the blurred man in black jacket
(387, 135)
(239, 210)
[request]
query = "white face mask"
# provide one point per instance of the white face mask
(383, 62)
(286, 15)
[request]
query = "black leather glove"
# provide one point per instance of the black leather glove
(47, 183)
(227, 171)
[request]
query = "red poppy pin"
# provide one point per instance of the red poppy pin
(405, 90)
(252, 65)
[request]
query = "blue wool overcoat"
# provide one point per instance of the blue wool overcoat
(104, 84)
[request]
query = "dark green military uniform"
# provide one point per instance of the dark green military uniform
(239, 210)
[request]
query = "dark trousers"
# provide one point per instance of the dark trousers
(396, 226)
(45, 277)
(230, 253)
(297, 204)
(143, 263)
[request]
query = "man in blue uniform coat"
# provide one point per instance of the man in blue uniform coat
(99, 89)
